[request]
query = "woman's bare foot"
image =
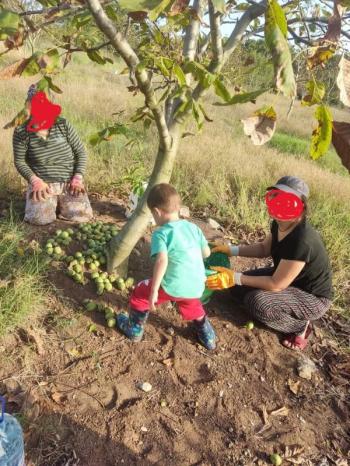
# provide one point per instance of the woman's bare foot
(298, 342)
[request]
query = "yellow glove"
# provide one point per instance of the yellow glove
(219, 247)
(225, 278)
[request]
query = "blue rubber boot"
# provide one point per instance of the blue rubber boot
(206, 333)
(132, 324)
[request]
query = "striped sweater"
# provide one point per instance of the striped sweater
(55, 159)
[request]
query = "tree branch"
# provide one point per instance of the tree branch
(215, 32)
(93, 49)
(122, 46)
(241, 26)
(192, 32)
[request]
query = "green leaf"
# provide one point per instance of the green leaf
(275, 32)
(164, 65)
(242, 98)
(202, 109)
(43, 85)
(219, 5)
(180, 75)
(94, 139)
(196, 115)
(163, 4)
(221, 90)
(322, 135)
(81, 19)
(153, 7)
(267, 111)
(53, 60)
(275, 17)
(316, 92)
(52, 86)
(111, 13)
(138, 5)
(96, 57)
(147, 123)
(8, 22)
(32, 67)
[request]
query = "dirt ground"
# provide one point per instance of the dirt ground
(76, 392)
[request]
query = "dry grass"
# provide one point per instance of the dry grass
(219, 167)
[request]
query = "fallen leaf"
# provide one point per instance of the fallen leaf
(341, 462)
(58, 398)
(168, 362)
(74, 352)
(284, 411)
(293, 454)
(265, 415)
(294, 387)
(34, 336)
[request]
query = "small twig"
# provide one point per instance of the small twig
(85, 392)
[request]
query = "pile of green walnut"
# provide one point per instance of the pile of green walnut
(88, 263)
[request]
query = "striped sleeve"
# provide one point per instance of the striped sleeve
(78, 149)
(20, 151)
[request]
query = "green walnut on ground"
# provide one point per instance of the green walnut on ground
(108, 311)
(276, 459)
(88, 262)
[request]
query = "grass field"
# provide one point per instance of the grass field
(219, 168)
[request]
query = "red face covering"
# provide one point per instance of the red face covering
(283, 206)
(43, 113)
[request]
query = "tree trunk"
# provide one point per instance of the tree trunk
(122, 245)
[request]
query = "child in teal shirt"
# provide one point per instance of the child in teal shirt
(178, 248)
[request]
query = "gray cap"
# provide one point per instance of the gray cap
(292, 184)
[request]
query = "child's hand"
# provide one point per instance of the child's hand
(152, 300)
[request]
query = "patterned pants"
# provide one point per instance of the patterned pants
(73, 208)
(286, 311)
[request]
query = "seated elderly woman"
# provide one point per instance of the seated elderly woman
(298, 288)
(49, 154)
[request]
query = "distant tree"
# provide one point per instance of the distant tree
(175, 52)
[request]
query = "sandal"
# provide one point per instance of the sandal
(297, 342)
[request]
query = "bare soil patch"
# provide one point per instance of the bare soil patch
(78, 398)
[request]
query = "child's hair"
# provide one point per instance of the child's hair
(165, 197)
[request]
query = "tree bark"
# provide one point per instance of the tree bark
(122, 244)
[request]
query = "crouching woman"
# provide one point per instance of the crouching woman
(298, 288)
(49, 154)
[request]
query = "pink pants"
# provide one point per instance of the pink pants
(190, 308)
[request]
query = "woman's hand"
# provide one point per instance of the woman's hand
(152, 300)
(40, 190)
(221, 247)
(225, 278)
(76, 185)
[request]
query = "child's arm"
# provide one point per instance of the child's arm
(206, 252)
(159, 270)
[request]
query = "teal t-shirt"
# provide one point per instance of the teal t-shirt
(183, 242)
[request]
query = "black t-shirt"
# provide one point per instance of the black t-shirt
(304, 244)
